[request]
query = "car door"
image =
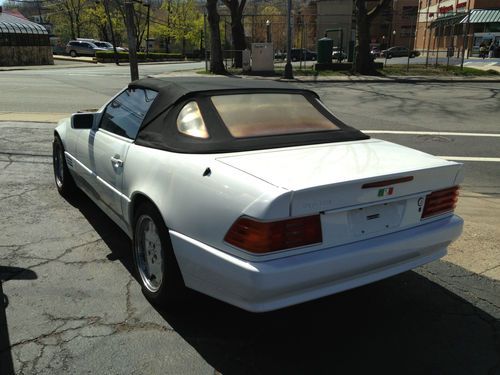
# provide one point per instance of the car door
(86, 49)
(108, 145)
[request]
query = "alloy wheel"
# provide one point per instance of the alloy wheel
(148, 253)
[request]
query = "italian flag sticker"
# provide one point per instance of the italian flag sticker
(386, 191)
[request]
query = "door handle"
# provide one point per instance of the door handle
(116, 161)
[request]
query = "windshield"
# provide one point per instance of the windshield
(266, 114)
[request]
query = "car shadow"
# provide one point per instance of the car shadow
(112, 235)
(406, 324)
(413, 323)
(6, 274)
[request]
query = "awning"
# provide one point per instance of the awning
(483, 16)
(14, 25)
(448, 20)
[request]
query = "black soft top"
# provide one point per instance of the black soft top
(159, 129)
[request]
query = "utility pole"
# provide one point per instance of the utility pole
(288, 67)
(465, 41)
(132, 41)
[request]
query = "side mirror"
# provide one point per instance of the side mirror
(82, 120)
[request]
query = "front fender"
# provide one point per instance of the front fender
(63, 130)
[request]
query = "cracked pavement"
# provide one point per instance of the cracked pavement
(71, 304)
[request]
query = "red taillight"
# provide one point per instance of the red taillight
(264, 237)
(441, 201)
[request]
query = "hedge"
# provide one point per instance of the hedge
(104, 56)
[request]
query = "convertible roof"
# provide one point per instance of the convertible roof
(173, 89)
(159, 130)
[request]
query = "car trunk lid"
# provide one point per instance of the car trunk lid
(361, 189)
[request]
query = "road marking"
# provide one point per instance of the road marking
(471, 158)
(403, 132)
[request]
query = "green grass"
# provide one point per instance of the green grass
(389, 70)
(431, 70)
(278, 72)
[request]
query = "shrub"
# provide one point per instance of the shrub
(141, 56)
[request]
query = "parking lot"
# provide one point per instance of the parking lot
(72, 304)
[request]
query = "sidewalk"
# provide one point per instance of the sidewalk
(58, 64)
(342, 78)
(32, 116)
(63, 62)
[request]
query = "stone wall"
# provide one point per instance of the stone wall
(26, 55)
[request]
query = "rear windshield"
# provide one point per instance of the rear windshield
(264, 114)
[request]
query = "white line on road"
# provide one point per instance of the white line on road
(471, 158)
(404, 132)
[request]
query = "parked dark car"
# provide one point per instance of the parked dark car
(399, 52)
(375, 52)
(297, 54)
(338, 55)
(303, 54)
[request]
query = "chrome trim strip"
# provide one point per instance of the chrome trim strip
(113, 189)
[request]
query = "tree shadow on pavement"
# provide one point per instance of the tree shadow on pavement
(413, 323)
(6, 274)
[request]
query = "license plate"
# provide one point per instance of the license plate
(377, 218)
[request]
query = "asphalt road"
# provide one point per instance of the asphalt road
(72, 304)
(69, 89)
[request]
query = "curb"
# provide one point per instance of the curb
(398, 80)
(67, 58)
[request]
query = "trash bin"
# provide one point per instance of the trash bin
(325, 48)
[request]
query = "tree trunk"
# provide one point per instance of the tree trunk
(71, 25)
(216, 63)
(239, 42)
(363, 63)
(237, 30)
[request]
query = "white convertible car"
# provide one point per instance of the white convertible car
(253, 192)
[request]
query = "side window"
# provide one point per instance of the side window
(124, 115)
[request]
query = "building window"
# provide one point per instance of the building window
(407, 31)
(409, 12)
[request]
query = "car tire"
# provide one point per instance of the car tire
(412, 55)
(389, 56)
(154, 259)
(73, 53)
(64, 181)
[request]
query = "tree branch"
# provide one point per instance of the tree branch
(372, 13)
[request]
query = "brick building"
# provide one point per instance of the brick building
(445, 25)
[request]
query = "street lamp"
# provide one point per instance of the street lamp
(393, 37)
(268, 31)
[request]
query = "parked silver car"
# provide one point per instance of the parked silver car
(82, 47)
(108, 46)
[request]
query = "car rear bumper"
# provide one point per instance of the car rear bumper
(270, 285)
